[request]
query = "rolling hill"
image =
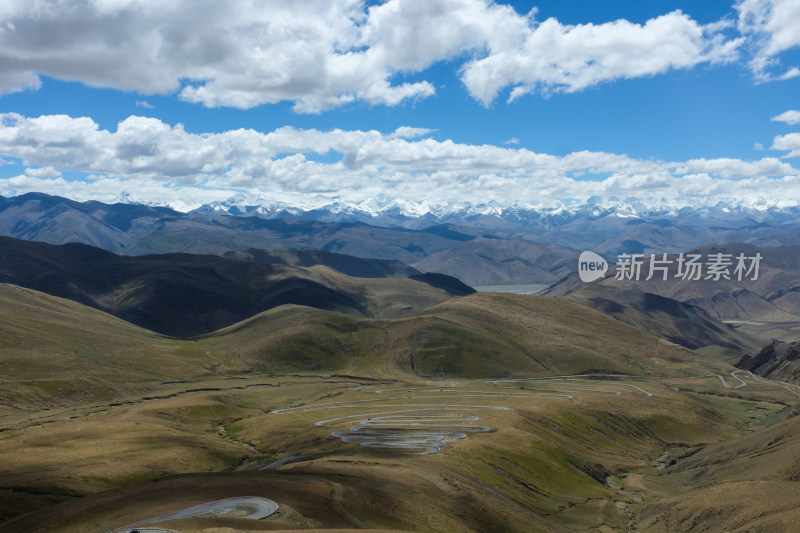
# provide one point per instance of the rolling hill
(772, 297)
(483, 335)
(57, 352)
(60, 351)
(683, 324)
(611, 408)
(142, 230)
(744, 484)
(120, 423)
(185, 295)
(777, 360)
(483, 261)
(348, 265)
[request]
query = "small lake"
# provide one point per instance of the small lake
(532, 288)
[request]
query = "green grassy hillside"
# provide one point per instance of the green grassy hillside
(677, 322)
(564, 411)
(483, 335)
(744, 484)
(58, 352)
(185, 295)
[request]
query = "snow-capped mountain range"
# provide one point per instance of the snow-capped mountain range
(481, 244)
(384, 210)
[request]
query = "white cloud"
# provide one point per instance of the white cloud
(152, 160)
(790, 117)
(15, 81)
(143, 104)
(551, 56)
(105, 189)
(46, 172)
(406, 132)
(321, 54)
(773, 27)
(736, 168)
(793, 72)
(789, 142)
(236, 53)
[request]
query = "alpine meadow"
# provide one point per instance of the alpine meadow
(399, 266)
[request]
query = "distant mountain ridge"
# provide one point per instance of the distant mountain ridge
(57, 220)
(481, 245)
(185, 295)
(141, 230)
(384, 209)
(773, 297)
(610, 225)
(680, 323)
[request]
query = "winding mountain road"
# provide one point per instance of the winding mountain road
(252, 507)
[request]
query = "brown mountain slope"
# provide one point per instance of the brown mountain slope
(346, 264)
(772, 297)
(482, 335)
(744, 484)
(46, 218)
(185, 295)
(218, 408)
(58, 352)
(683, 324)
(779, 361)
(483, 261)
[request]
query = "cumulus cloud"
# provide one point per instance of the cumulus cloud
(772, 27)
(406, 132)
(153, 160)
(790, 117)
(46, 172)
(550, 56)
(736, 168)
(321, 54)
(237, 53)
(108, 189)
(789, 142)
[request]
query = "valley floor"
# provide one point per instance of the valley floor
(575, 453)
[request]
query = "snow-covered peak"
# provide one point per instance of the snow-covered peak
(125, 197)
(384, 209)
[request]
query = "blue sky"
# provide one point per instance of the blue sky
(433, 102)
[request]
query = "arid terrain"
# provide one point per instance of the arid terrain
(486, 412)
(434, 266)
